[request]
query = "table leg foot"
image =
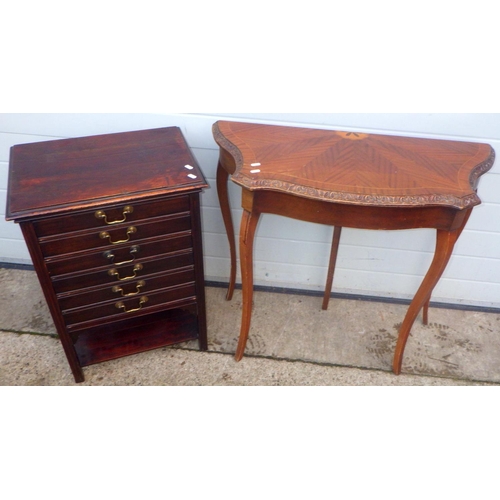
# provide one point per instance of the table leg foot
(247, 233)
(331, 266)
(222, 192)
(445, 242)
(425, 313)
(78, 374)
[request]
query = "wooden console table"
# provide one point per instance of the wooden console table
(347, 179)
(112, 223)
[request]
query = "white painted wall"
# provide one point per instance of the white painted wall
(294, 254)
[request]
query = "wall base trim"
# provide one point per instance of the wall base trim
(316, 293)
(353, 296)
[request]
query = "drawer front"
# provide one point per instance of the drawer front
(127, 307)
(121, 274)
(119, 235)
(126, 290)
(118, 256)
(110, 215)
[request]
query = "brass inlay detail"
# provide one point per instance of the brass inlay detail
(110, 256)
(114, 272)
(101, 214)
(138, 286)
(130, 230)
(121, 305)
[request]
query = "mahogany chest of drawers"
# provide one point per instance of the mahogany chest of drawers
(112, 224)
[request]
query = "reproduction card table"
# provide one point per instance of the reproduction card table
(347, 179)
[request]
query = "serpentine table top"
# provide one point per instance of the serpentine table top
(353, 167)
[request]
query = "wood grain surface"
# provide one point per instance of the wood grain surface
(355, 168)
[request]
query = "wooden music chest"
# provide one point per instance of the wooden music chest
(112, 224)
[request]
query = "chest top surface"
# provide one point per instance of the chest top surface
(355, 168)
(54, 176)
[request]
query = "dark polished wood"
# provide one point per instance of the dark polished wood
(112, 224)
(347, 179)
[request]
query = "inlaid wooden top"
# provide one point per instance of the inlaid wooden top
(52, 176)
(354, 168)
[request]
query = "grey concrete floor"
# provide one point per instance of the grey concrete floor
(38, 360)
(291, 343)
(31, 355)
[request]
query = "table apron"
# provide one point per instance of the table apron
(355, 216)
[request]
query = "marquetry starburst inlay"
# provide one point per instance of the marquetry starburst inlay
(353, 136)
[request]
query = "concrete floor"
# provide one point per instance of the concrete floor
(31, 355)
(38, 360)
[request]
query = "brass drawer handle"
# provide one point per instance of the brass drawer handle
(110, 256)
(114, 272)
(121, 305)
(119, 289)
(104, 234)
(101, 214)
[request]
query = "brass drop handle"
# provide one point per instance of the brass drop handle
(121, 305)
(119, 289)
(101, 214)
(114, 272)
(133, 250)
(104, 234)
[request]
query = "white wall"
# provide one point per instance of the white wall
(294, 254)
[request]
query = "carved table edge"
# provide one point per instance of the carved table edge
(446, 200)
